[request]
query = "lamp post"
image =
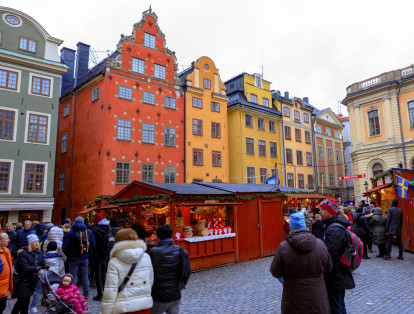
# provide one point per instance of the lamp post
(366, 189)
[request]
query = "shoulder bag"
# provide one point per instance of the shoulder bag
(126, 279)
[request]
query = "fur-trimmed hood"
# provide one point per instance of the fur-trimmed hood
(130, 251)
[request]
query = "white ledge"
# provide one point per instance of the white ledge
(199, 239)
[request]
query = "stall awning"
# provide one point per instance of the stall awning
(377, 188)
(26, 206)
(210, 204)
(88, 210)
(310, 195)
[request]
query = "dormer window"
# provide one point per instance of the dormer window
(149, 40)
(27, 44)
(258, 81)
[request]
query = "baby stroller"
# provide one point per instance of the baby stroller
(50, 282)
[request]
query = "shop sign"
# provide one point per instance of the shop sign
(352, 196)
(357, 176)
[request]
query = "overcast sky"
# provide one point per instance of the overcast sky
(309, 48)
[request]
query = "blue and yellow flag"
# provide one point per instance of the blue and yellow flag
(402, 187)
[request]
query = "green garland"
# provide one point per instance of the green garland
(98, 199)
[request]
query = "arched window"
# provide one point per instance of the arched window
(377, 169)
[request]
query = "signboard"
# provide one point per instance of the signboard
(352, 196)
(357, 176)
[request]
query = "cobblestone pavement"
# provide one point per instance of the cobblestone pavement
(382, 286)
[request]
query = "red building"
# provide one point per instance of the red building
(120, 121)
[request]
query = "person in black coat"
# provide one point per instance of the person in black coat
(361, 229)
(21, 234)
(172, 270)
(12, 237)
(394, 226)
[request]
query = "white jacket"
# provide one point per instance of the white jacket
(55, 234)
(55, 260)
(136, 295)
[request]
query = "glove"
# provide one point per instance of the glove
(38, 268)
(47, 266)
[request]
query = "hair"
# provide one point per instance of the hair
(36, 222)
(19, 225)
(2, 232)
(9, 224)
(395, 202)
(28, 222)
(164, 232)
(125, 235)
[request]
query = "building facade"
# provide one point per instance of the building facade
(122, 121)
(206, 137)
(346, 141)
(381, 119)
(254, 130)
(30, 75)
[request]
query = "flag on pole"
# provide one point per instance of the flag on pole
(402, 187)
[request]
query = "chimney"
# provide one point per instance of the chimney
(82, 61)
(67, 57)
(286, 94)
(306, 99)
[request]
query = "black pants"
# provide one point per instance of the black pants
(389, 244)
(21, 306)
(365, 239)
(3, 303)
(336, 299)
(382, 250)
(100, 273)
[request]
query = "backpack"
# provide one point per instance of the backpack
(352, 256)
(102, 236)
(83, 240)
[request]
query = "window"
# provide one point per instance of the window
(169, 174)
(265, 102)
(331, 179)
(148, 133)
(13, 20)
(27, 44)
(298, 135)
(319, 129)
(411, 113)
(95, 94)
(122, 172)
(251, 175)
(273, 149)
(34, 177)
(124, 130)
(148, 98)
(306, 117)
(309, 159)
(297, 116)
(272, 126)
(64, 146)
(301, 181)
(40, 86)
(197, 127)
(328, 131)
(6, 124)
(377, 169)
(340, 182)
(262, 147)
(310, 181)
(329, 153)
(322, 178)
(215, 106)
(169, 102)
(215, 130)
(197, 157)
(206, 83)
(253, 98)
(248, 120)
(260, 124)
(258, 81)
(286, 111)
(5, 168)
(8, 79)
(336, 134)
(159, 71)
(307, 137)
(37, 129)
(291, 180)
(216, 159)
(66, 109)
(320, 152)
(289, 156)
(61, 181)
(149, 40)
(197, 102)
(147, 173)
(263, 175)
(249, 146)
(138, 65)
(338, 155)
(299, 157)
(169, 136)
(288, 135)
(273, 173)
(125, 92)
(373, 121)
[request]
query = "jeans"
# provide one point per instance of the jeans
(37, 293)
(100, 274)
(389, 244)
(3, 303)
(169, 307)
(21, 306)
(336, 299)
(82, 266)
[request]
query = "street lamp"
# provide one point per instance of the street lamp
(366, 189)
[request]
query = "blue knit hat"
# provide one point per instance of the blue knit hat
(297, 221)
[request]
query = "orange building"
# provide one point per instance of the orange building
(206, 139)
(122, 121)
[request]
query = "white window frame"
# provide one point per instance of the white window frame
(150, 133)
(95, 94)
(170, 99)
(138, 65)
(28, 113)
(151, 97)
(19, 75)
(127, 89)
(16, 119)
(273, 130)
(253, 178)
(160, 71)
(168, 136)
(23, 177)
(31, 74)
(64, 151)
(10, 176)
(149, 40)
(127, 137)
(170, 174)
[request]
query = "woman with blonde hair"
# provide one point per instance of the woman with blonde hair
(129, 278)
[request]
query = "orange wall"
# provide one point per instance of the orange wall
(404, 99)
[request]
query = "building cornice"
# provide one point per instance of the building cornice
(219, 97)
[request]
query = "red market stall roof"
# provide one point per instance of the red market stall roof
(377, 188)
(88, 210)
(318, 196)
(210, 204)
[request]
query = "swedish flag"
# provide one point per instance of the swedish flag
(402, 187)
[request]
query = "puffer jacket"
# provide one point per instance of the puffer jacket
(136, 295)
(55, 234)
(71, 245)
(55, 260)
(6, 285)
(377, 225)
(21, 237)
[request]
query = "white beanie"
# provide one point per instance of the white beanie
(31, 238)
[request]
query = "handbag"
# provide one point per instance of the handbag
(126, 279)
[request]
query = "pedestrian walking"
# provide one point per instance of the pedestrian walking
(11, 232)
(6, 279)
(361, 229)
(130, 276)
(377, 226)
(171, 272)
(302, 260)
(336, 241)
(394, 226)
(22, 234)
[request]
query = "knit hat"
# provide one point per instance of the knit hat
(98, 217)
(67, 275)
(297, 221)
(79, 219)
(31, 238)
(49, 226)
(330, 205)
(51, 246)
(65, 221)
(164, 232)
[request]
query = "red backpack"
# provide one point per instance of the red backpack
(352, 256)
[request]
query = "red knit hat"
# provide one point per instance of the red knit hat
(330, 205)
(97, 218)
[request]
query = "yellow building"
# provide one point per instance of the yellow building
(297, 145)
(254, 130)
(206, 134)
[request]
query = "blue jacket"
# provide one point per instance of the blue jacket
(71, 244)
(21, 237)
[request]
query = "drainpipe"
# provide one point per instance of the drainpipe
(282, 134)
(399, 117)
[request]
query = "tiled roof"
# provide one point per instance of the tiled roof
(248, 188)
(239, 98)
(189, 188)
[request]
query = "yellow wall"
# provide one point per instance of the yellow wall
(260, 92)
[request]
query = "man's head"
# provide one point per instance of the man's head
(164, 232)
(371, 206)
(4, 239)
(79, 219)
(35, 223)
(329, 208)
(27, 224)
(19, 225)
(9, 226)
(395, 202)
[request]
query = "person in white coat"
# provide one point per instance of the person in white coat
(136, 295)
(55, 234)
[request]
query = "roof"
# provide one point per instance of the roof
(377, 188)
(239, 98)
(307, 195)
(317, 111)
(248, 188)
(188, 188)
(234, 77)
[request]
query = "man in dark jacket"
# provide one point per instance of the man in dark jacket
(12, 237)
(21, 235)
(171, 272)
(77, 244)
(394, 227)
(361, 229)
(340, 278)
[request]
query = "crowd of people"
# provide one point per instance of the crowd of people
(127, 278)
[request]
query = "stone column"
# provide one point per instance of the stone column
(387, 114)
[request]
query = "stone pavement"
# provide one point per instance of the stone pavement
(381, 287)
